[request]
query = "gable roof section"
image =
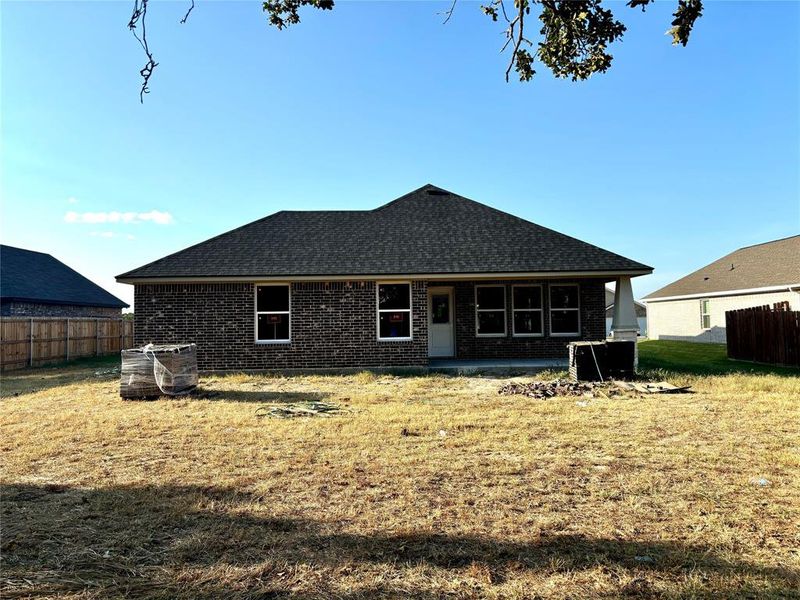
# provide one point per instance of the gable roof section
(29, 276)
(428, 231)
(767, 265)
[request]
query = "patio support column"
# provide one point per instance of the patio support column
(624, 325)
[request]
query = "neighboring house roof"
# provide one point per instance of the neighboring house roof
(768, 265)
(28, 276)
(641, 309)
(428, 231)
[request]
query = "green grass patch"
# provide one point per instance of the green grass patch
(699, 359)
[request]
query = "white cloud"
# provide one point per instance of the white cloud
(72, 200)
(154, 216)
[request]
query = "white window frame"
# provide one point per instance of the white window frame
(515, 310)
(271, 312)
(551, 309)
(409, 310)
(703, 314)
(480, 310)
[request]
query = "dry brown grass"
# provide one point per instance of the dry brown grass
(199, 498)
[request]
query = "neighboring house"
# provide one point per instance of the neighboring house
(641, 313)
(693, 308)
(431, 274)
(34, 284)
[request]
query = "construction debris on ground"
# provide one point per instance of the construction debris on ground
(299, 409)
(542, 390)
(662, 387)
(558, 387)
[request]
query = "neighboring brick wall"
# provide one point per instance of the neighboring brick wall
(29, 309)
(592, 318)
(680, 319)
(333, 326)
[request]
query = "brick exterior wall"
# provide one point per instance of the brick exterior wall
(468, 346)
(333, 325)
(29, 309)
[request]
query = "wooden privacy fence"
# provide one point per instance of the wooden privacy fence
(31, 342)
(763, 334)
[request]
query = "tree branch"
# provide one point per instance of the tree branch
(138, 17)
(188, 12)
(449, 12)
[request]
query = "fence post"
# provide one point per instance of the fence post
(67, 350)
(30, 359)
(97, 337)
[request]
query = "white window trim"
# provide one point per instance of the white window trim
(409, 310)
(551, 309)
(271, 312)
(480, 310)
(705, 314)
(515, 310)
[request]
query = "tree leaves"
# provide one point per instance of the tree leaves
(282, 13)
(688, 12)
(575, 34)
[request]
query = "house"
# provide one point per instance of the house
(639, 308)
(693, 307)
(35, 284)
(429, 275)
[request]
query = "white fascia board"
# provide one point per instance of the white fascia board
(385, 277)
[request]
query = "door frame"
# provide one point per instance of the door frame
(439, 289)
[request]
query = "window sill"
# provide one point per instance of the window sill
(491, 335)
(576, 334)
(272, 342)
(528, 335)
(396, 339)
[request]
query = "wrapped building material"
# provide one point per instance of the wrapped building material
(156, 370)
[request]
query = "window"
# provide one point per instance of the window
(440, 308)
(394, 311)
(705, 314)
(526, 306)
(564, 309)
(272, 313)
(490, 310)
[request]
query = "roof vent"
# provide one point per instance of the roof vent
(437, 193)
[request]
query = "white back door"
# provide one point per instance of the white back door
(441, 338)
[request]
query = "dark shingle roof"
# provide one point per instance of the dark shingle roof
(769, 264)
(31, 276)
(428, 231)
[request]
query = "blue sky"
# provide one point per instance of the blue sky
(674, 158)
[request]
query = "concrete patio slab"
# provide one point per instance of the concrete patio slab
(496, 366)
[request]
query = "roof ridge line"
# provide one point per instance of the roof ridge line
(419, 189)
(26, 250)
(788, 237)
